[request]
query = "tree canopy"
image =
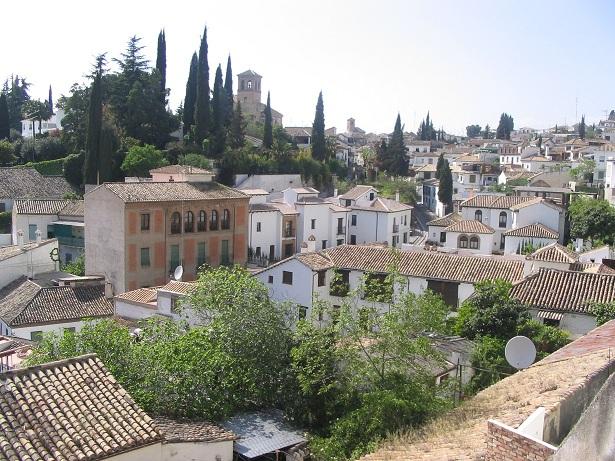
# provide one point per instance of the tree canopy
(505, 127)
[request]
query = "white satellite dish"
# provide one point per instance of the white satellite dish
(520, 352)
(177, 275)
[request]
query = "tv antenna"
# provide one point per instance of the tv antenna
(179, 271)
(520, 352)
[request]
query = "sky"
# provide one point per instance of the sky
(544, 62)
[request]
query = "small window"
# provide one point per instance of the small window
(324, 244)
(287, 277)
(226, 219)
(322, 275)
(32, 232)
(189, 221)
(472, 178)
(213, 223)
(225, 255)
(202, 223)
(174, 260)
(288, 250)
(270, 279)
(145, 261)
(176, 223)
(36, 335)
(145, 221)
(478, 215)
(348, 202)
(353, 220)
(371, 196)
(201, 254)
(313, 224)
(353, 239)
(474, 242)
(503, 219)
(463, 241)
(258, 227)
(442, 237)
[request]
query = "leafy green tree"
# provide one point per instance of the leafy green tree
(73, 169)
(319, 146)
(218, 103)
(228, 88)
(238, 129)
(94, 127)
(487, 132)
(440, 165)
(76, 267)
(49, 149)
(584, 171)
(5, 123)
(546, 338)
(161, 65)
(196, 160)
(7, 157)
(395, 158)
(592, 219)
(141, 159)
(489, 363)
(505, 127)
(473, 131)
(202, 113)
(16, 94)
(268, 132)
(36, 110)
(582, 127)
(445, 189)
(75, 121)
(603, 312)
(190, 98)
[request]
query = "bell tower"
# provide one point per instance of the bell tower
(249, 91)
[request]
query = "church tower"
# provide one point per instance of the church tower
(249, 92)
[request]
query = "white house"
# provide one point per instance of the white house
(31, 127)
(375, 219)
(532, 235)
(27, 260)
(469, 235)
(430, 197)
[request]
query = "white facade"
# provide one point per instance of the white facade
(513, 244)
(510, 159)
(485, 242)
(609, 180)
(31, 260)
(28, 331)
(31, 128)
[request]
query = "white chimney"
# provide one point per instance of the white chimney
(39, 236)
(397, 196)
(20, 238)
(108, 290)
(335, 192)
(309, 246)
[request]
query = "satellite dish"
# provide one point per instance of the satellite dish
(177, 275)
(520, 352)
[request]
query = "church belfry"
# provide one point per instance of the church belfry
(249, 95)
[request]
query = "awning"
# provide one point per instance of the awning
(548, 315)
(69, 223)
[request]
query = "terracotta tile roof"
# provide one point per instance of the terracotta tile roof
(600, 338)
(175, 286)
(567, 291)
(28, 183)
(15, 250)
(447, 220)
(38, 206)
(429, 168)
(136, 192)
(23, 303)
(73, 208)
(356, 192)
(533, 201)
(315, 261)
(180, 430)
(535, 230)
(69, 410)
(432, 265)
(180, 169)
(384, 205)
(140, 295)
(470, 226)
(495, 201)
(555, 253)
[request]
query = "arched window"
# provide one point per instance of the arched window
(213, 224)
(478, 215)
(249, 84)
(463, 241)
(503, 218)
(176, 223)
(226, 219)
(474, 242)
(189, 221)
(202, 224)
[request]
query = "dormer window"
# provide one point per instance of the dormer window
(371, 196)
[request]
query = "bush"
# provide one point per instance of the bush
(49, 148)
(140, 160)
(48, 167)
(76, 267)
(196, 160)
(5, 222)
(7, 152)
(603, 312)
(73, 169)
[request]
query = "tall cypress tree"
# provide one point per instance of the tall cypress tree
(190, 99)
(228, 88)
(161, 64)
(238, 137)
(50, 101)
(396, 158)
(319, 143)
(268, 131)
(202, 115)
(440, 165)
(445, 190)
(582, 127)
(94, 129)
(218, 104)
(5, 123)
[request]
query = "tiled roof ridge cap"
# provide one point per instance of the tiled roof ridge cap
(48, 365)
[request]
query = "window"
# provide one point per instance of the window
(68, 258)
(202, 224)
(353, 220)
(2, 207)
(201, 254)
(288, 250)
(353, 239)
(340, 283)
(287, 278)
(503, 219)
(213, 223)
(258, 227)
(145, 262)
(302, 312)
(348, 202)
(322, 275)
(36, 335)
(313, 224)
(224, 258)
(174, 257)
(32, 231)
(474, 242)
(176, 223)
(189, 221)
(502, 241)
(145, 221)
(472, 178)
(226, 219)
(442, 237)
(288, 229)
(249, 84)
(270, 279)
(405, 234)
(257, 252)
(478, 215)
(395, 241)
(371, 196)
(324, 244)
(463, 241)
(340, 242)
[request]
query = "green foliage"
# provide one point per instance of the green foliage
(505, 127)
(196, 160)
(76, 267)
(161, 64)
(268, 127)
(36, 110)
(584, 171)
(489, 362)
(49, 167)
(473, 131)
(392, 157)
(7, 150)
(238, 129)
(73, 169)
(426, 130)
(5, 222)
(15, 91)
(190, 98)
(5, 123)
(546, 338)
(93, 156)
(141, 159)
(202, 114)
(582, 128)
(603, 312)
(592, 219)
(74, 123)
(319, 146)
(218, 103)
(50, 148)
(491, 312)
(445, 189)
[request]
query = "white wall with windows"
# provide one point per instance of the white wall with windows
(474, 243)
(265, 230)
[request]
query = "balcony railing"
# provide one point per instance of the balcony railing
(395, 227)
(176, 229)
(289, 233)
(71, 241)
(341, 230)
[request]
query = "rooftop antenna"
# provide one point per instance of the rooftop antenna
(520, 352)
(179, 272)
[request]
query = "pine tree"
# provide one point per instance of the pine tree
(396, 162)
(319, 144)
(5, 124)
(427, 133)
(582, 127)
(50, 101)
(445, 189)
(190, 98)
(487, 132)
(556, 128)
(268, 131)
(202, 114)
(228, 88)
(440, 165)
(237, 128)
(161, 64)
(218, 104)
(94, 129)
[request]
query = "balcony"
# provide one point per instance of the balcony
(289, 233)
(395, 228)
(77, 242)
(341, 230)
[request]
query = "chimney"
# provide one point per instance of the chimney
(108, 290)
(309, 246)
(39, 237)
(397, 195)
(335, 192)
(20, 238)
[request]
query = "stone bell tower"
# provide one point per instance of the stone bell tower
(249, 92)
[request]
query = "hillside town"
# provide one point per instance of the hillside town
(207, 283)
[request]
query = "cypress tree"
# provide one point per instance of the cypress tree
(487, 132)
(50, 101)
(237, 128)
(5, 123)
(190, 99)
(445, 190)
(161, 64)
(92, 151)
(319, 145)
(202, 116)
(582, 127)
(218, 104)
(228, 88)
(268, 132)
(396, 158)
(440, 165)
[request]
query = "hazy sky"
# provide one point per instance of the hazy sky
(465, 61)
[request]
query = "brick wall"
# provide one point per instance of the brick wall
(507, 444)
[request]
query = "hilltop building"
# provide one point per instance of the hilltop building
(249, 95)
